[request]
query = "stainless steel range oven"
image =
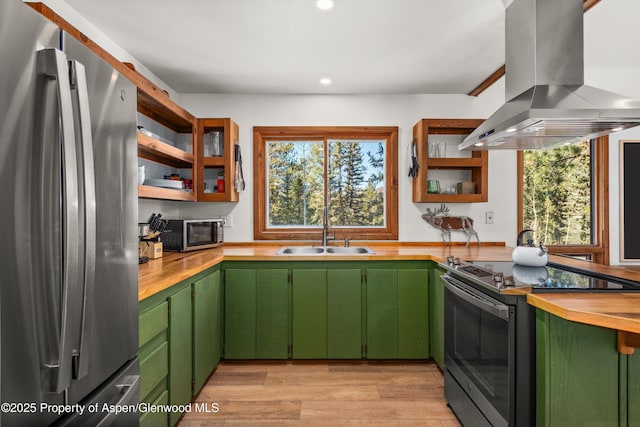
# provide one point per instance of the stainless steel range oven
(489, 348)
(490, 336)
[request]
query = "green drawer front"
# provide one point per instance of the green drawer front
(156, 419)
(153, 321)
(154, 369)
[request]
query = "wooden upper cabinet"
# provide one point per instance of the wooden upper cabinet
(215, 141)
(447, 165)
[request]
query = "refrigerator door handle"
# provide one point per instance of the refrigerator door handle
(87, 206)
(56, 356)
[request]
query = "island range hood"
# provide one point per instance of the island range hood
(549, 105)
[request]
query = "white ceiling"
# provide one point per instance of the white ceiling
(286, 46)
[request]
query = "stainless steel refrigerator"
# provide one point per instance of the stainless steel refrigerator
(68, 239)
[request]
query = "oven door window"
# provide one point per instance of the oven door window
(479, 348)
(200, 233)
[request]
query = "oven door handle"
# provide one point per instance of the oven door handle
(476, 298)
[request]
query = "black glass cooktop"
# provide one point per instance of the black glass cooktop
(542, 279)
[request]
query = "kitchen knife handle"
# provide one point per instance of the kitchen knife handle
(57, 330)
(87, 198)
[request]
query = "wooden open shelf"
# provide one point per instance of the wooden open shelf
(477, 164)
(454, 163)
(152, 149)
(147, 191)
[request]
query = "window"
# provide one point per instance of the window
(563, 198)
(298, 171)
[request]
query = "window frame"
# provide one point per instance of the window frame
(599, 250)
(262, 134)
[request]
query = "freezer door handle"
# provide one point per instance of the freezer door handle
(59, 302)
(87, 212)
(129, 391)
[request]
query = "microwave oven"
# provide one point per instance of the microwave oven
(191, 234)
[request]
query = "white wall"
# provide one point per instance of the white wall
(360, 110)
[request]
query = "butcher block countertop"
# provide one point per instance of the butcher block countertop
(160, 274)
(619, 311)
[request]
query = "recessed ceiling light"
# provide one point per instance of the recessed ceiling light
(479, 144)
(511, 130)
(325, 81)
(325, 4)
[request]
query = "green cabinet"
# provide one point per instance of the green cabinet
(256, 313)
(581, 378)
(382, 314)
(320, 310)
(240, 314)
(436, 317)
(180, 350)
(344, 313)
(327, 313)
(154, 355)
(397, 314)
(180, 331)
(413, 314)
(309, 314)
(633, 389)
(206, 328)
(272, 314)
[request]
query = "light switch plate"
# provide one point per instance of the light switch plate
(488, 217)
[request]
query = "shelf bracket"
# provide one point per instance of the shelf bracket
(628, 342)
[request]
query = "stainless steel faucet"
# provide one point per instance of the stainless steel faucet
(325, 225)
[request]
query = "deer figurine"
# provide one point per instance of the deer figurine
(440, 219)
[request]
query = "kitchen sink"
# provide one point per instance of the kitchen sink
(351, 250)
(301, 250)
(324, 250)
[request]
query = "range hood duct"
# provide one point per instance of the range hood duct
(549, 105)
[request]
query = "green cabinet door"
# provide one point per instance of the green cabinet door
(180, 350)
(413, 314)
(436, 317)
(577, 373)
(309, 323)
(240, 314)
(633, 389)
(206, 294)
(344, 314)
(382, 313)
(272, 314)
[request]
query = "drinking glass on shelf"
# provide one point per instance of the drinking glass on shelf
(442, 149)
(433, 149)
(215, 144)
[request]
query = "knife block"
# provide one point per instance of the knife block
(153, 250)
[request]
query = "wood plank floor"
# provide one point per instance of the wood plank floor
(321, 393)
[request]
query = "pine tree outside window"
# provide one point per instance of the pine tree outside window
(563, 198)
(299, 171)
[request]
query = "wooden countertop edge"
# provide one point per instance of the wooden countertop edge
(168, 281)
(606, 320)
